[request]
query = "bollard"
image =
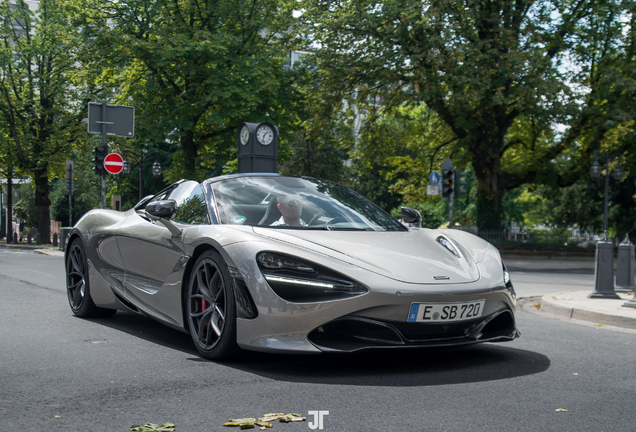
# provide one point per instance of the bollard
(64, 232)
(631, 303)
(15, 238)
(625, 267)
(604, 272)
(29, 238)
(54, 239)
(37, 239)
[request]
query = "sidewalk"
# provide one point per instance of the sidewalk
(39, 249)
(550, 263)
(577, 305)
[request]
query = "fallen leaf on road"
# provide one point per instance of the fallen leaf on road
(291, 418)
(561, 410)
(270, 417)
(243, 423)
(151, 427)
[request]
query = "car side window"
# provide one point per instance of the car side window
(191, 206)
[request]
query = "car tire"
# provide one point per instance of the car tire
(78, 284)
(211, 309)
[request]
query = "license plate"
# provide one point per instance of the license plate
(446, 312)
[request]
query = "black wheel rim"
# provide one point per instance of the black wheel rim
(207, 304)
(75, 276)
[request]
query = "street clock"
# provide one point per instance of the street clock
(264, 134)
(257, 147)
(244, 135)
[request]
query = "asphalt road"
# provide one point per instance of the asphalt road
(61, 373)
(538, 284)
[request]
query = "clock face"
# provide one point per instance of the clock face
(265, 135)
(245, 135)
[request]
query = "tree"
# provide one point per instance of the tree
(36, 59)
(86, 190)
(500, 74)
(194, 70)
(325, 134)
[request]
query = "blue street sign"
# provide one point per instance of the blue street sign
(434, 178)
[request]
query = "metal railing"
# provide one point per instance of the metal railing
(538, 240)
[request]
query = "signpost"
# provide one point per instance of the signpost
(69, 190)
(113, 163)
(434, 178)
(433, 188)
(119, 120)
(106, 119)
(447, 187)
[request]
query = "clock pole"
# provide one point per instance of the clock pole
(257, 147)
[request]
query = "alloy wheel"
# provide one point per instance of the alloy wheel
(76, 276)
(207, 304)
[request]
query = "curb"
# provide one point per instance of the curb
(550, 305)
(548, 270)
(26, 246)
(53, 252)
(39, 249)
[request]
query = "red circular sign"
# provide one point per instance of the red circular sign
(113, 163)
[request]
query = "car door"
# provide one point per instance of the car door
(153, 257)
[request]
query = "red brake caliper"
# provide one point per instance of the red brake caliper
(204, 306)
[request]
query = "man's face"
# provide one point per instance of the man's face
(291, 208)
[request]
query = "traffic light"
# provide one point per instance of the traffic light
(447, 183)
(100, 154)
(459, 182)
(69, 177)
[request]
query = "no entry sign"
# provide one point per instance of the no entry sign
(113, 163)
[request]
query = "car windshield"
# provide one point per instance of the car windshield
(297, 203)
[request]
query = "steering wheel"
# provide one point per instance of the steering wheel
(315, 218)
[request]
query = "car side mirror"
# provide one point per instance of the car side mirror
(142, 203)
(412, 217)
(164, 209)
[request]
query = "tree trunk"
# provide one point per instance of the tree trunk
(189, 152)
(9, 207)
(486, 162)
(488, 218)
(43, 204)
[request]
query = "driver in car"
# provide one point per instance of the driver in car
(291, 209)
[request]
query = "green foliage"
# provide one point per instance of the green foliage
(434, 215)
(192, 211)
(86, 192)
(25, 207)
(195, 71)
(581, 205)
(37, 59)
(127, 186)
(499, 75)
(396, 153)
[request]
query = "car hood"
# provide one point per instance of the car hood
(412, 257)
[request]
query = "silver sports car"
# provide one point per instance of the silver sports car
(297, 265)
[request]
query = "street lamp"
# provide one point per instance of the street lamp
(156, 168)
(604, 270)
(595, 173)
(141, 158)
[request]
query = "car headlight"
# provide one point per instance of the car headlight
(507, 281)
(297, 281)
